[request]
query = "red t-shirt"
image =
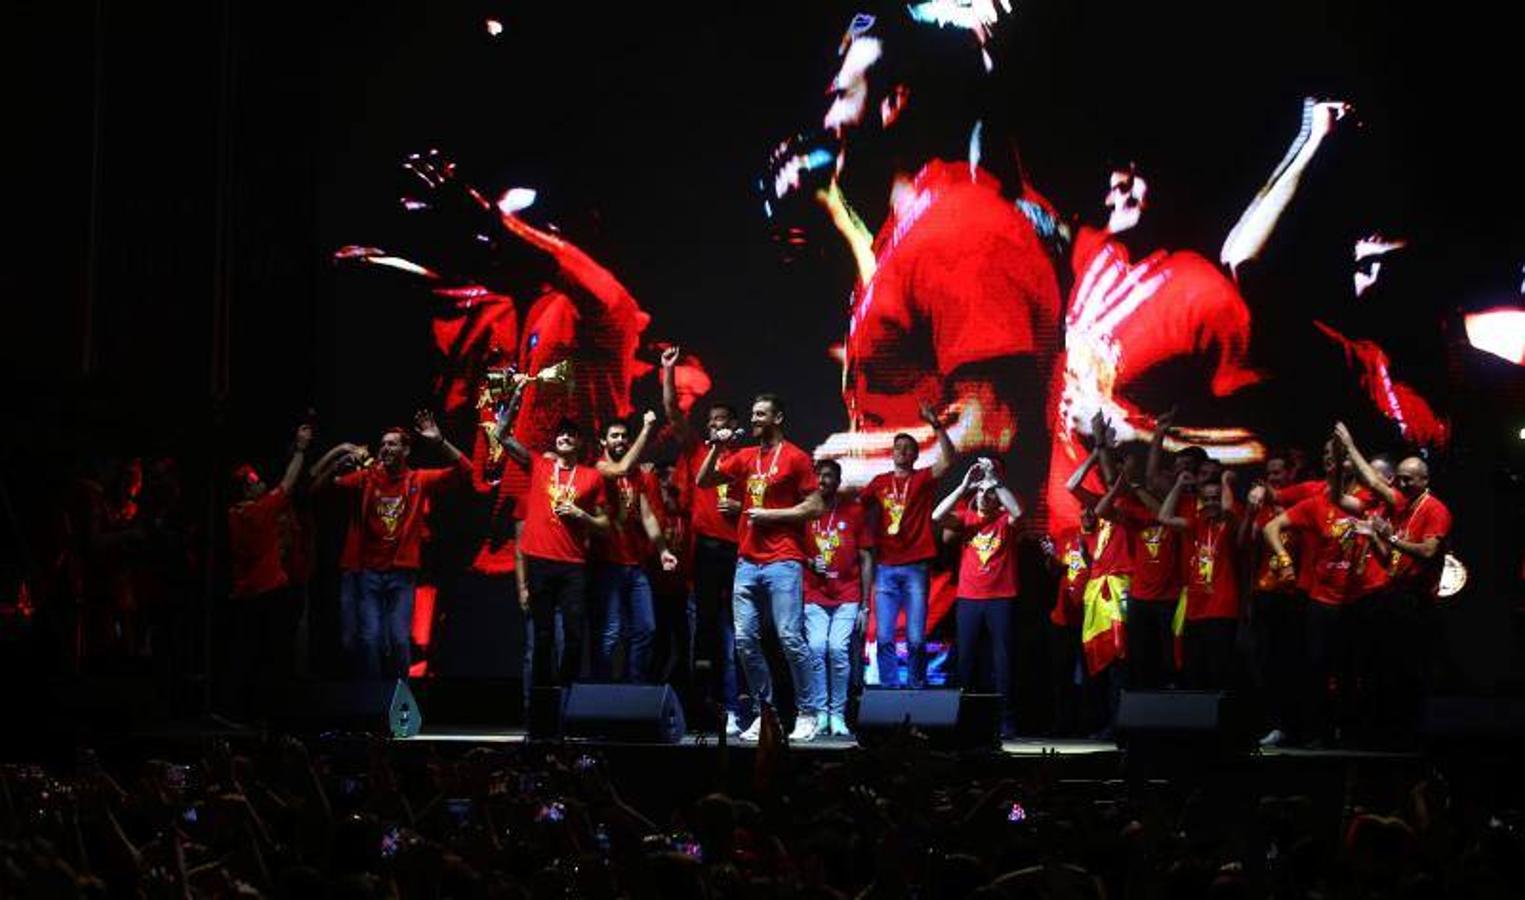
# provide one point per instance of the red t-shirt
(961, 278)
(1129, 329)
(1301, 544)
(1397, 401)
(702, 501)
(1076, 550)
(987, 567)
(833, 576)
(678, 532)
(1369, 570)
(254, 542)
(1117, 537)
(1212, 576)
(546, 535)
(389, 531)
(777, 478)
(1157, 565)
(903, 532)
(1330, 548)
(627, 543)
(498, 486)
(1424, 518)
(1267, 580)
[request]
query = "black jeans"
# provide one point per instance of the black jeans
(1278, 620)
(554, 584)
(1207, 651)
(714, 657)
(991, 618)
(1151, 643)
(1329, 676)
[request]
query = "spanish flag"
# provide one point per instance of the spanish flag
(1101, 634)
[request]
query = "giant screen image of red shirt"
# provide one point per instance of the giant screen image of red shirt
(1127, 321)
(961, 279)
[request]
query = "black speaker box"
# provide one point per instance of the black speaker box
(1474, 720)
(1202, 721)
(636, 713)
(950, 719)
(385, 707)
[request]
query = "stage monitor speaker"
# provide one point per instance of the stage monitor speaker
(385, 707)
(950, 718)
(474, 702)
(1178, 720)
(637, 713)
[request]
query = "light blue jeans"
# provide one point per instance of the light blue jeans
(777, 587)
(829, 632)
(896, 588)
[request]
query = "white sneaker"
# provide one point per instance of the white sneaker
(838, 726)
(732, 727)
(822, 723)
(804, 730)
(753, 732)
(1274, 738)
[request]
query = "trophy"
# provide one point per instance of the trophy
(500, 382)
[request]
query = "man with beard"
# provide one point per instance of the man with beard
(957, 305)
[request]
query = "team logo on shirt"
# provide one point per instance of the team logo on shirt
(560, 492)
(1204, 564)
(894, 510)
(757, 488)
(626, 500)
(985, 544)
(1153, 535)
(827, 542)
(389, 511)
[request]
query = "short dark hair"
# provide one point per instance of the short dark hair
(896, 439)
(771, 399)
(400, 430)
(831, 464)
(613, 423)
(569, 425)
(730, 408)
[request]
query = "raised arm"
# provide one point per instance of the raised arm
(709, 474)
(632, 456)
(428, 429)
(322, 470)
(1364, 472)
(1254, 500)
(1283, 559)
(1074, 485)
(298, 453)
(1249, 236)
(670, 407)
(506, 416)
(947, 453)
(1167, 514)
(948, 504)
(1157, 446)
(1105, 505)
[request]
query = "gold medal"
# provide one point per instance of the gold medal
(757, 488)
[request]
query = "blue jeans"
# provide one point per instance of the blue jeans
(829, 632)
(779, 585)
(384, 612)
(625, 594)
(359, 629)
(897, 588)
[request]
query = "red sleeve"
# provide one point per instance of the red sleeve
(982, 293)
(350, 481)
(273, 502)
(732, 467)
(1296, 493)
(871, 490)
(805, 472)
(1222, 322)
(1435, 522)
(432, 481)
(1305, 514)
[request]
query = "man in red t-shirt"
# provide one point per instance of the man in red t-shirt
(265, 611)
(672, 589)
(900, 507)
(1212, 544)
(1277, 607)
(841, 568)
(956, 304)
(779, 495)
(561, 510)
(1071, 553)
(619, 555)
(986, 531)
(712, 517)
(385, 541)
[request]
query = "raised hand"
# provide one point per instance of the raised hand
(424, 424)
(649, 418)
(1257, 496)
(1327, 113)
(670, 356)
(928, 415)
(669, 561)
(1342, 435)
